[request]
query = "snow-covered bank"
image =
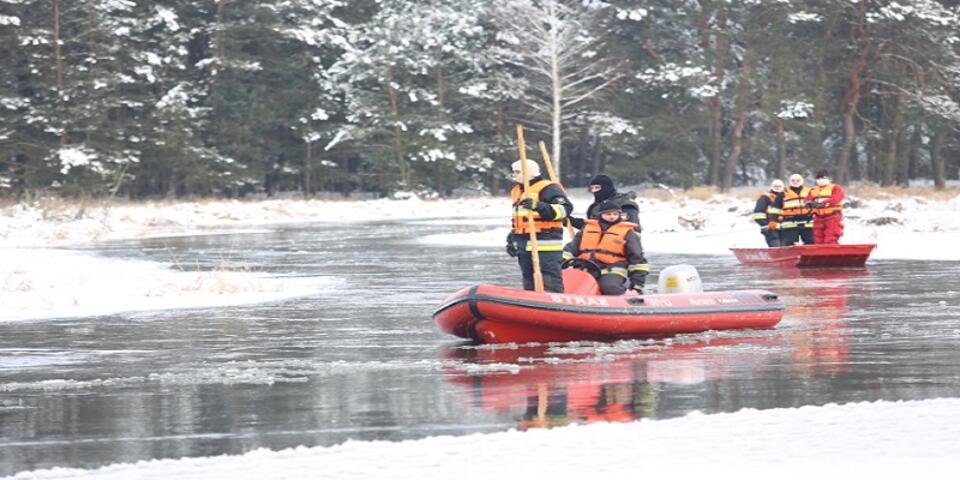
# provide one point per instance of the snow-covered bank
(36, 282)
(907, 227)
(871, 440)
(59, 224)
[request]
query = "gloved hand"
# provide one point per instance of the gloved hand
(577, 223)
(511, 245)
(528, 203)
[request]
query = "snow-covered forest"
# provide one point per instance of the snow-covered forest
(182, 98)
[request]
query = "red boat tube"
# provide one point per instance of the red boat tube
(492, 314)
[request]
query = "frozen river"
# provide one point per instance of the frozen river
(363, 360)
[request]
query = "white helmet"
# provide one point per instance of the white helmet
(533, 170)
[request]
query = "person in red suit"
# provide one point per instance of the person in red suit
(826, 201)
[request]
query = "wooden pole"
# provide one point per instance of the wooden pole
(534, 249)
(553, 178)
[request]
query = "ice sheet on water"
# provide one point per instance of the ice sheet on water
(45, 283)
(477, 368)
(229, 373)
(464, 221)
(17, 359)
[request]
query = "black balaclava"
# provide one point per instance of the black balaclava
(606, 188)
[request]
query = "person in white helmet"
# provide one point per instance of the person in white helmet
(796, 222)
(767, 211)
(549, 205)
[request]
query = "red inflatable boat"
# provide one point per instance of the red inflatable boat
(807, 255)
(492, 314)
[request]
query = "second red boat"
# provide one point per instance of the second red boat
(854, 255)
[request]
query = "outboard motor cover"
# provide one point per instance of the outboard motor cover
(681, 278)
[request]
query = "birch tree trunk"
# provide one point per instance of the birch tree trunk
(58, 67)
(557, 88)
(307, 163)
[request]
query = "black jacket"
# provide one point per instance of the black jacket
(768, 210)
(626, 202)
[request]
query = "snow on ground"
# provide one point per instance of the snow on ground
(878, 440)
(881, 440)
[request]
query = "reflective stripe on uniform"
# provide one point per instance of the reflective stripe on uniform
(558, 211)
(615, 270)
(643, 267)
(546, 246)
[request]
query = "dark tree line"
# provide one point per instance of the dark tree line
(182, 98)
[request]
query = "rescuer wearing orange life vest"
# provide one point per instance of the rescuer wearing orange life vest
(826, 200)
(796, 222)
(614, 245)
(767, 213)
(550, 205)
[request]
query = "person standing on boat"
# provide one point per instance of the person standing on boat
(601, 186)
(613, 245)
(796, 222)
(549, 205)
(826, 200)
(767, 212)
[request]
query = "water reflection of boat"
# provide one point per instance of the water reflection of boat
(843, 255)
(545, 386)
(818, 311)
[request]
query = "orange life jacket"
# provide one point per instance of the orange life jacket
(520, 223)
(793, 203)
(605, 247)
(822, 194)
